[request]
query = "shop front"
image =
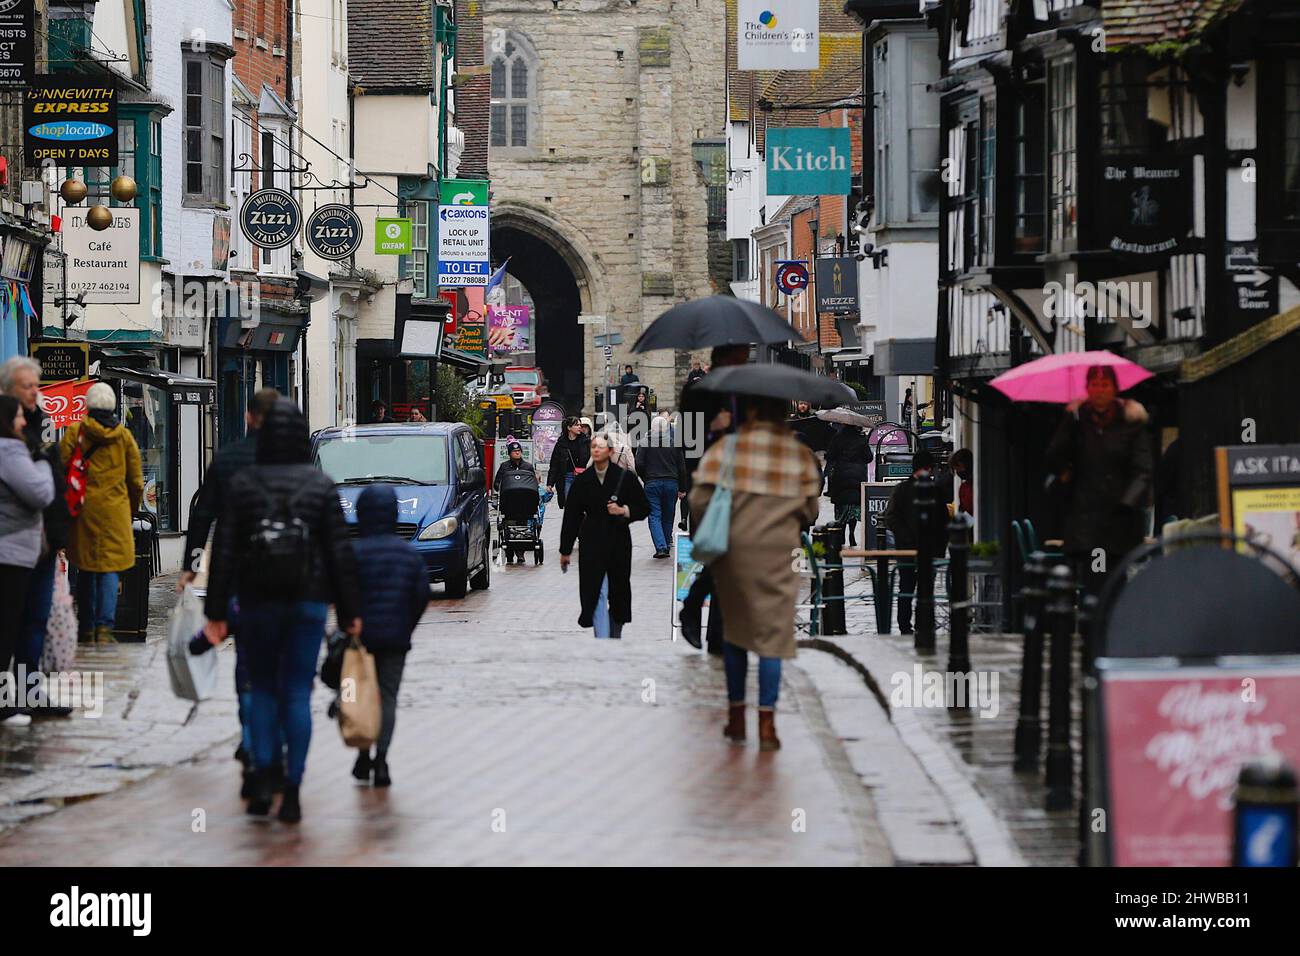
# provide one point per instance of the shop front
(401, 372)
(251, 358)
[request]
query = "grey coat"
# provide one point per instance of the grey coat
(26, 487)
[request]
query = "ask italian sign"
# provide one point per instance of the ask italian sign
(463, 233)
(808, 162)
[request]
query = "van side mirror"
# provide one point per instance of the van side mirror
(477, 477)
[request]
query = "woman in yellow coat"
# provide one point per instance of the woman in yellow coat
(100, 541)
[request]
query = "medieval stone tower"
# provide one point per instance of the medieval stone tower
(606, 126)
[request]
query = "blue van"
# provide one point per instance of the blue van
(437, 471)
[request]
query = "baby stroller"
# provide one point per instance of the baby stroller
(521, 507)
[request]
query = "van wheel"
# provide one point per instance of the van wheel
(483, 580)
(455, 587)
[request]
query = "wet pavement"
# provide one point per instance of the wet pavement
(520, 740)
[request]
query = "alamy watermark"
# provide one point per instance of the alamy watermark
(921, 688)
(36, 689)
(1130, 300)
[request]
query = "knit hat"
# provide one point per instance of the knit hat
(514, 446)
(101, 396)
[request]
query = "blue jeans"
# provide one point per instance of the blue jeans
(735, 661)
(96, 600)
(568, 483)
(600, 620)
(36, 613)
(662, 493)
(282, 641)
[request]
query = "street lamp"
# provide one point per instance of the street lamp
(814, 225)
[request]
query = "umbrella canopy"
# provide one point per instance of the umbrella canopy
(844, 416)
(716, 320)
(1061, 379)
(777, 381)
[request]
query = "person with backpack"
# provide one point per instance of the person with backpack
(26, 487)
(394, 589)
(282, 545)
(105, 486)
(902, 517)
(228, 462)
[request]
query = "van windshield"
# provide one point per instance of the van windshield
(367, 459)
(521, 377)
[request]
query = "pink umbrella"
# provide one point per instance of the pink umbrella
(1061, 379)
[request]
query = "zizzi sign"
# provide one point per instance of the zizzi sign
(71, 121)
(334, 232)
(270, 218)
(808, 162)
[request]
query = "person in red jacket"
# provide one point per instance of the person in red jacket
(963, 466)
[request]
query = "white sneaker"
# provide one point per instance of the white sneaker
(17, 720)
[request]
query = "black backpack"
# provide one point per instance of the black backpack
(280, 549)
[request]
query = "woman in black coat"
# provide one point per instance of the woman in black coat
(568, 459)
(847, 458)
(603, 502)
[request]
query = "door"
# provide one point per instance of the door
(475, 497)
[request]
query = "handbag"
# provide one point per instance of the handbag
(359, 707)
(710, 541)
(78, 476)
(60, 653)
(193, 676)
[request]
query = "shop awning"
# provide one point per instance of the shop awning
(183, 389)
(463, 359)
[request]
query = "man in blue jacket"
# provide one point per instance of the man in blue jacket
(394, 589)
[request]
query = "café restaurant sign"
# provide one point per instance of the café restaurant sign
(1146, 206)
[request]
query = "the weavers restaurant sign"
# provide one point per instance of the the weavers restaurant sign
(1146, 206)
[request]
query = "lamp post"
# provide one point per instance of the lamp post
(814, 226)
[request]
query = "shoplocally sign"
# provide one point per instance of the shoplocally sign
(808, 162)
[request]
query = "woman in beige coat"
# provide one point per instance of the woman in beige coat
(775, 491)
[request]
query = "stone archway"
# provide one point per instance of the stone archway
(553, 264)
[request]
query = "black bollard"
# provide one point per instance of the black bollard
(1087, 619)
(1060, 620)
(959, 596)
(831, 537)
(923, 601)
(1266, 815)
(1029, 730)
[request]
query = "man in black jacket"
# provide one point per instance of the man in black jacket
(283, 546)
(662, 466)
(902, 517)
(20, 378)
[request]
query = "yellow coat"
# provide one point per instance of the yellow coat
(100, 538)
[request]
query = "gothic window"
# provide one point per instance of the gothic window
(514, 91)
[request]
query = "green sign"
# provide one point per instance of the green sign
(392, 237)
(806, 161)
(472, 339)
(463, 192)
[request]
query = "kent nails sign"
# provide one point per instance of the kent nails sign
(808, 162)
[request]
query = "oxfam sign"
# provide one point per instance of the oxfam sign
(809, 162)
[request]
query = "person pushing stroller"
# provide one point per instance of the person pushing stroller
(516, 510)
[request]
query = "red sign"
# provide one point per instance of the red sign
(65, 402)
(1175, 741)
(449, 324)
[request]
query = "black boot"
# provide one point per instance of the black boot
(361, 769)
(689, 619)
(259, 793)
(290, 808)
(382, 779)
(277, 777)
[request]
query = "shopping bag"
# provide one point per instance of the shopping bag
(194, 677)
(711, 539)
(60, 652)
(359, 708)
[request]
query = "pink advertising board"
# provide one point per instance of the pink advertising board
(1174, 742)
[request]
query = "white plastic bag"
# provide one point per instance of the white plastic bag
(60, 653)
(194, 677)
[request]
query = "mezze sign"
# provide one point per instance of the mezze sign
(808, 162)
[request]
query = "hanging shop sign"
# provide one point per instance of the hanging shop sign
(463, 233)
(103, 265)
(392, 237)
(65, 403)
(1145, 206)
(17, 43)
(837, 284)
(452, 296)
(70, 121)
(221, 242)
(791, 277)
(809, 162)
(778, 35)
(270, 218)
(62, 361)
(508, 328)
(1259, 495)
(334, 232)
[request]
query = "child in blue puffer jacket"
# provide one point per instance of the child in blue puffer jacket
(394, 588)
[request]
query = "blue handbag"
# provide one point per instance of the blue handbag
(711, 539)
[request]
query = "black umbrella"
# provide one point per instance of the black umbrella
(777, 381)
(717, 320)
